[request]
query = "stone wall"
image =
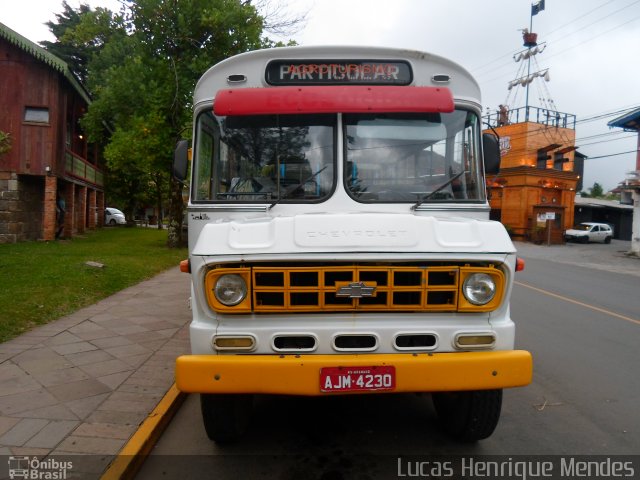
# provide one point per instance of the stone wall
(21, 201)
(28, 207)
(8, 203)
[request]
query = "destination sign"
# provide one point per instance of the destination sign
(338, 72)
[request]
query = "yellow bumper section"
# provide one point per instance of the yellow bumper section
(300, 374)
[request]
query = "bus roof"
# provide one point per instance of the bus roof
(247, 70)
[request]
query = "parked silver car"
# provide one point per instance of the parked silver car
(589, 232)
(113, 216)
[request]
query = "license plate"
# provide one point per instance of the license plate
(357, 379)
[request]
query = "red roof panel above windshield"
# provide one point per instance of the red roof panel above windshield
(332, 99)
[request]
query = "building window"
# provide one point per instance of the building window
(36, 115)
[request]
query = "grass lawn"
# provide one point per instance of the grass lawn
(42, 281)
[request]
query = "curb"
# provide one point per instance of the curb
(134, 453)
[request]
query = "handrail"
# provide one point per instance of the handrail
(544, 116)
(78, 167)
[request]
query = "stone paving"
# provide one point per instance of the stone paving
(84, 383)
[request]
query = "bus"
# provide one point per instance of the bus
(339, 237)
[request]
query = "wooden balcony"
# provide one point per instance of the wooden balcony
(79, 168)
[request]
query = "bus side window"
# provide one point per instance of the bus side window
(205, 163)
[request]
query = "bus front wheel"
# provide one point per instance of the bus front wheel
(225, 417)
(468, 416)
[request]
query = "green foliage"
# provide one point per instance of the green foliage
(50, 279)
(76, 56)
(594, 192)
(141, 66)
(5, 142)
(597, 190)
(132, 183)
(81, 34)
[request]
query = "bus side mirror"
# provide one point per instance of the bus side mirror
(181, 160)
(491, 147)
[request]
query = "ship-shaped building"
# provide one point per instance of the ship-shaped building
(540, 171)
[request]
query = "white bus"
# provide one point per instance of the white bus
(339, 237)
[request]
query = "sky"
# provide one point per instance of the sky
(591, 53)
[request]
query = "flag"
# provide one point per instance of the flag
(538, 7)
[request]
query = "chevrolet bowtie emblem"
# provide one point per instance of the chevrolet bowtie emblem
(356, 290)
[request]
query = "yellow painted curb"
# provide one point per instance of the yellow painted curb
(134, 453)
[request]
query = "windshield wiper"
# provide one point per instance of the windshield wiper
(293, 188)
(433, 192)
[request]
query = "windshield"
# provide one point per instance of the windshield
(388, 158)
(267, 158)
(429, 157)
(583, 226)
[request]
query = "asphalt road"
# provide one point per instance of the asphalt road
(582, 325)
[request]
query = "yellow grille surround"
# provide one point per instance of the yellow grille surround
(345, 288)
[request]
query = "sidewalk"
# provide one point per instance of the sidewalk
(84, 383)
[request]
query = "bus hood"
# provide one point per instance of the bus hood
(361, 232)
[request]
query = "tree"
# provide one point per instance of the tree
(181, 40)
(77, 58)
(69, 27)
(596, 191)
(143, 64)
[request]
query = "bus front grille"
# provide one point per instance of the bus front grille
(347, 288)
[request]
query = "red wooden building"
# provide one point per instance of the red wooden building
(51, 180)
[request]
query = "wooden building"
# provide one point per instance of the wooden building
(51, 179)
(533, 195)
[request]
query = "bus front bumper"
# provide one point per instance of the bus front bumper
(301, 374)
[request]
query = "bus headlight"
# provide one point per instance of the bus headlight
(479, 288)
(230, 289)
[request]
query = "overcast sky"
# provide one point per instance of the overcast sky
(592, 53)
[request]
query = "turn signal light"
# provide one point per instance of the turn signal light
(475, 341)
(520, 264)
(185, 266)
(224, 343)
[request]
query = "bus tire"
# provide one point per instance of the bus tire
(468, 416)
(225, 416)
